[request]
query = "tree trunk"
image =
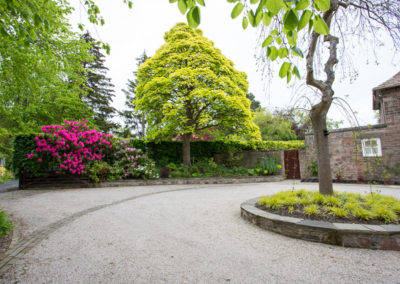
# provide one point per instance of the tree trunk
(186, 149)
(318, 119)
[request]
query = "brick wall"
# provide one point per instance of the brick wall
(346, 151)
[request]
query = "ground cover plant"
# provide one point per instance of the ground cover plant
(5, 224)
(372, 208)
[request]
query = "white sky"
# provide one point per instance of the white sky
(131, 31)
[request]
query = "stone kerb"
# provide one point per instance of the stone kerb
(383, 237)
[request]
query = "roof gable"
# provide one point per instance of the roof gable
(391, 83)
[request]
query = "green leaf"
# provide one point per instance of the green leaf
(201, 2)
(182, 6)
(130, 4)
(268, 41)
(237, 10)
(278, 40)
(274, 32)
(320, 26)
(252, 18)
(290, 20)
(283, 72)
(272, 52)
(296, 72)
(37, 20)
(322, 5)
(232, 1)
(289, 77)
(266, 19)
(245, 23)
(297, 51)
(254, 1)
(303, 4)
(304, 20)
(172, 1)
(283, 52)
(259, 16)
(193, 17)
(274, 6)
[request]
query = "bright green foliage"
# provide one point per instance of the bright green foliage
(163, 152)
(274, 127)
(376, 207)
(189, 87)
(294, 15)
(40, 69)
(269, 166)
(5, 224)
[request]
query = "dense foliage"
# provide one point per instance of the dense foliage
(74, 148)
(40, 72)
(163, 152)
(274, 127)
(5, 175)
(340, 205)
(5, 224)
(188, 87)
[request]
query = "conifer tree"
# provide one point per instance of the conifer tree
(134, 122)
(98, 87)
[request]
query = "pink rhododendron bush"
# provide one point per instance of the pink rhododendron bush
(73, 148)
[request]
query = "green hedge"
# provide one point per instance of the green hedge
(163, 152)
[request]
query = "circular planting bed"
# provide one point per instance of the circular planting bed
(357, 235)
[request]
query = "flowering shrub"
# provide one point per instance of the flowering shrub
(133, 163)
(71, 146)
(5, 175)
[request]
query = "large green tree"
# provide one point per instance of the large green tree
(134, 121)
(40, 67)
(189, 87)
(98, 90)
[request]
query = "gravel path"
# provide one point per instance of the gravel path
(180, 234)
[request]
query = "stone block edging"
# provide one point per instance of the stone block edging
(383, 237)
(173, 181)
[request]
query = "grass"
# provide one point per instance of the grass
(351, 206)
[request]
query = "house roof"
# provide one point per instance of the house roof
(391, 83)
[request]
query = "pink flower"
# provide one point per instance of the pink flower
(40, 160)
(30, 156)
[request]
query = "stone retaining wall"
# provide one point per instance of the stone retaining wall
(383, 237)
(174, 181)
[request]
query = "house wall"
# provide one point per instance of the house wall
(346, 150)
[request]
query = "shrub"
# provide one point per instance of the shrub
(5, 224)
(5, 175)
(269, 166)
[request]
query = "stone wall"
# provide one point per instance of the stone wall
(346, 150)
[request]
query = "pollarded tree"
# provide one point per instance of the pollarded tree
(189, 87)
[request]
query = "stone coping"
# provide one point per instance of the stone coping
(383, 237)
(171, 181)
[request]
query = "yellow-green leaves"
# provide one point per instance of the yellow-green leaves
(302, 4)
(272, 52)
(274, 6)
(268, 41)
(322, 5)
(305, 19)
(182, 6)
(188, 86)
(320, 26)
(237, 10)
(245, 23)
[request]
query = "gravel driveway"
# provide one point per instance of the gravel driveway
(176, 234)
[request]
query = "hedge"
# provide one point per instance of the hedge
(163, 152)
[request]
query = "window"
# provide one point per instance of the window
(371, 147)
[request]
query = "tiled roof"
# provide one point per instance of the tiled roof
(391, 83)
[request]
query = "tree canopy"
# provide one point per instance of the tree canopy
(189, 87)
(40, 69)
(274, 127)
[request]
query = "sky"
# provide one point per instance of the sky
(131, 31)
